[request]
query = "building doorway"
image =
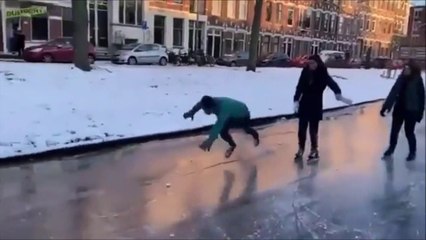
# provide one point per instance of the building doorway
(214, 40)
(98, 23)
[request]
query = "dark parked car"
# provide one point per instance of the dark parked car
(234, 59)
(275, 60)
(58, 50)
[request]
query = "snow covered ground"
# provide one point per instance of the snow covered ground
(50, 106)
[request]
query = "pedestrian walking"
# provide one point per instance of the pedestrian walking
(308, 103)
(407, 99)
(231, 114)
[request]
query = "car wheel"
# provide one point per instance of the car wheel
(233, 64)
(47, 58)
(132, 61)
(91, 59)
(163, 61)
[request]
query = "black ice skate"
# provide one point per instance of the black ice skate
(388, 153)
(411, 156)
(299, 155)
(313, 156)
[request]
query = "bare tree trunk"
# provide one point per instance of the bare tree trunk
(254, 36)
(80, 27)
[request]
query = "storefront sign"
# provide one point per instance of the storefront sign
(26, 12)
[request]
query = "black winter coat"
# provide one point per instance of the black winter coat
(406, 103)
(309, 92)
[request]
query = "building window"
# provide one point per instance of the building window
(361, 23)
(367, 24)
(178, 1)
(40, 28)
(130, 12)
(195, 40)
(290, 17)
(121, 11)
(159, 25)
(333, 23)
(201, 7)
(307, 19)
(242, 13)
(217, 8)
(268, 11)
(231, 9)
(67, 23)
(326, 22)
(177, 32)
(301, 18)
(340, 28)
(317, 20)
(279, 12)
(373, 25)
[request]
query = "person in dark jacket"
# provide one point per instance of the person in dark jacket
(230, 114)
(308, 102)
(407, 98)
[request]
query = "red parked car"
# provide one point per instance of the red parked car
(58, 50)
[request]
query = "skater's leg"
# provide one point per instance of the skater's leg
(227, 137)
(313, 132)
(397, 122)
(303, 127)
(409, 127)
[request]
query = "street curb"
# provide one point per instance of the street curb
(92, 147)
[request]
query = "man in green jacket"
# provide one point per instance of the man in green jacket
(230, 114)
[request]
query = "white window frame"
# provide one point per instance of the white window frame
(333, 23)
(326, 22)
(230, 10)
(279, 12)
(217, 8)
(124, 13)
(288, 17)
(317, 16)
(242, 10)
(373, 25)
(301, 17)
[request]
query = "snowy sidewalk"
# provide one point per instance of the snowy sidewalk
(45, 107)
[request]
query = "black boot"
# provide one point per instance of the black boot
(411, 156)
(313, 156)
(229, 152)
(388, 152)
(299, 154)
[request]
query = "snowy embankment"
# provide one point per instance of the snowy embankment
(45, 107)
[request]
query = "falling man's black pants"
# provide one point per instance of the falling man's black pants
(237, 123)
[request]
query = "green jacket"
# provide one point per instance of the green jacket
(225, 109)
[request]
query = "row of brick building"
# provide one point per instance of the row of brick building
(295, 27)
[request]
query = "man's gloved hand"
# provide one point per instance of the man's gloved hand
(296, 107)
(383, 112)
(206, 145)
(188, 115)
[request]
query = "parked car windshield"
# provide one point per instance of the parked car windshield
(130, 46)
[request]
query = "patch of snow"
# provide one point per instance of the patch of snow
(50, 106)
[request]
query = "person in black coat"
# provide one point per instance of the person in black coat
(407, 98)
(308, 102)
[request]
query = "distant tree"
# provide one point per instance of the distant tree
(254, 36)
(80, 29)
